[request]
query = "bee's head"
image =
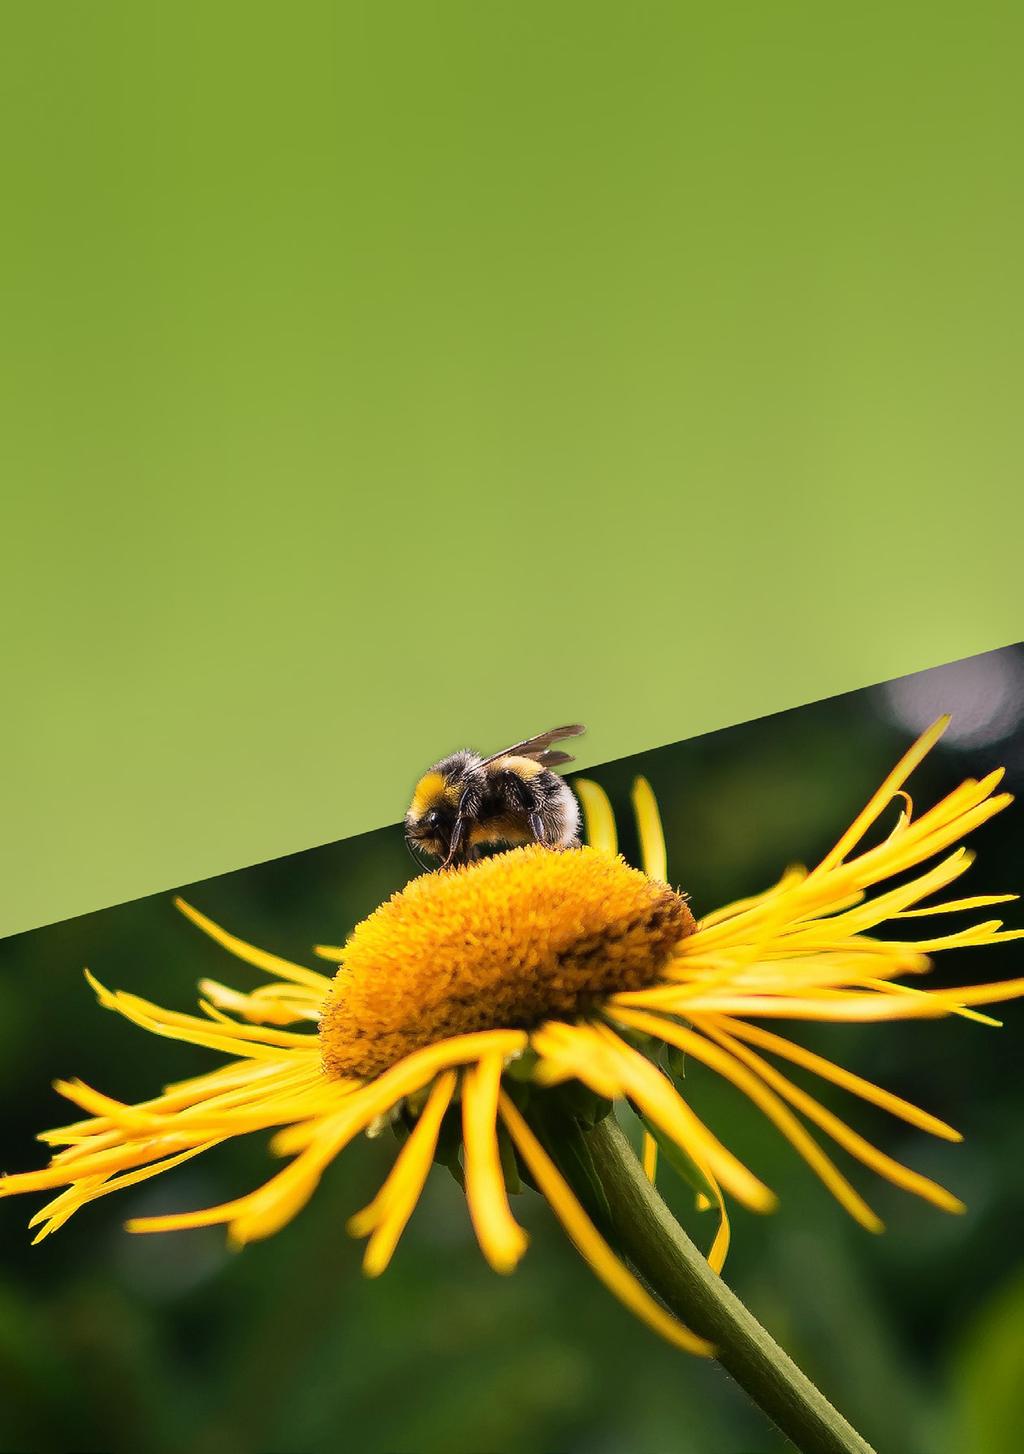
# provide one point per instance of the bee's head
(430, 820)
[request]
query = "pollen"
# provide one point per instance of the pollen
(510, 941)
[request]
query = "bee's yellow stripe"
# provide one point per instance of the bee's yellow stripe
(429, 788)
(523, 767)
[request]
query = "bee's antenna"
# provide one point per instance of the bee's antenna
(417, 860)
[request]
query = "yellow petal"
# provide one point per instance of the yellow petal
(244, 1077)
(271, 964)
(598, 818)
(856, 1084)
(411, 1074)
(720, 1246)
(265, 1210)
(569, 1053)
(726, 1066)
(856, 1145)
(650, 1157)
(956, 906)
(501, 1239)
(117, 1158)
(57, 1212)
(652, 838)
(258, 1009)
(661, 1103)
(884, 795)
(388, 1214)
(589, 1241)
(174, 1026)
(853, 1008)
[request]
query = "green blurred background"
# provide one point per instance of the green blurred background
(376, 373)
(171, 1345)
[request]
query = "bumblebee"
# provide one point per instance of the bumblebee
(467, 801)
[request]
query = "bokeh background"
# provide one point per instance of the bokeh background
(171, 1345)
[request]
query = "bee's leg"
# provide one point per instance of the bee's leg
(520, 802)
(457, 847)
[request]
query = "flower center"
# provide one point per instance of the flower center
(504, 943)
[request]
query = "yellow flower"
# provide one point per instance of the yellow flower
(465, 998)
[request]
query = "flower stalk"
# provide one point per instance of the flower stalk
(677, 1271)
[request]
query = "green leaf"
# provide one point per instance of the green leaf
(562, 1138)
(675, 1062)
(522, 1067)
(682, 1164)
(449, 1144)
(509, 1163)
(581, 1103)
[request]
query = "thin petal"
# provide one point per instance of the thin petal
(174, 1026)
(103, 1106)
(652, 837)
(856, 1145)
(975, 935)
(271, 964)
(265, 1210)
(565, 1054)
(720, 1246)
(661, 1102)
(719, 1249)
(589, 1241)
(955, 906)
(880, 799)
(261, 1034)
(260, 1009)
(650, 1157)
(104, 1163)
(780, 1116)
(243, 1076)
(501, 1239)
(740, 907)
(846, 1079)
(413, 1073)
(598, 818)
(887, 862)
(852, 1008)
(885, 987)
(57, 1212)
(885, 906)
(302, 1092)
(386, 1217)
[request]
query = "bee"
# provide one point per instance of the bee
(512, 797)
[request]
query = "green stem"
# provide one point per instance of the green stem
(678, 1272)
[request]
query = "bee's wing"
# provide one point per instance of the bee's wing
(537, 748)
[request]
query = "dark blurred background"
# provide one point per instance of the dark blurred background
(171, 1344)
